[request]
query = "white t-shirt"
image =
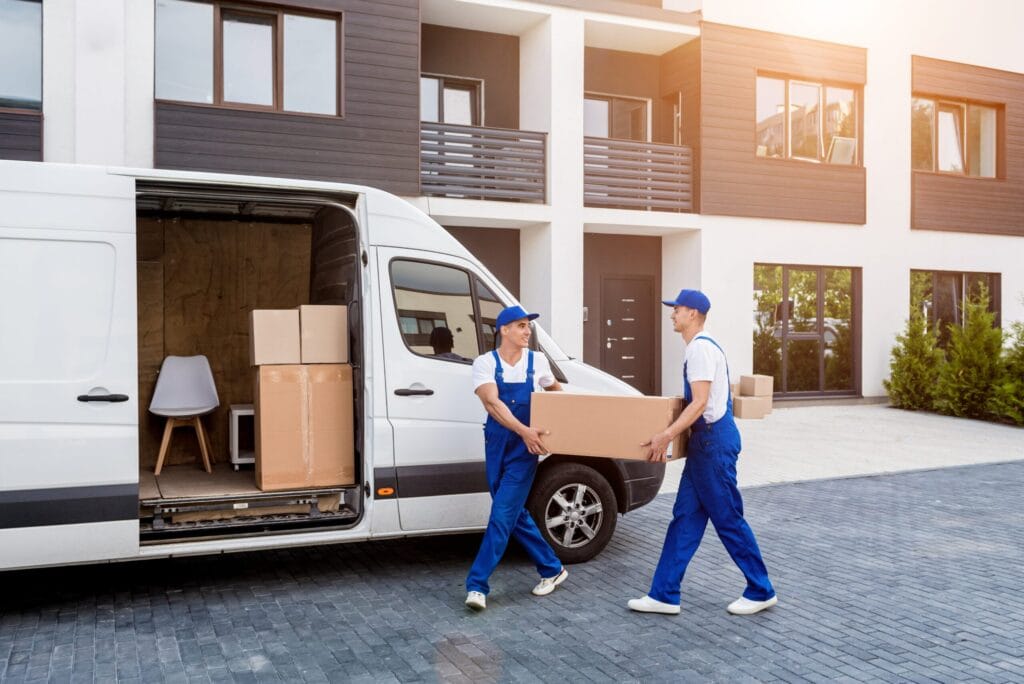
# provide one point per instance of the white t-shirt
(706, 362)
(483, 370)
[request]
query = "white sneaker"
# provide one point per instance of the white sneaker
(476, 600)
(548, 584)
(649, 605)
(744, 606)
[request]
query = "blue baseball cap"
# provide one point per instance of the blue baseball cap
(513, 313)
(692, 299)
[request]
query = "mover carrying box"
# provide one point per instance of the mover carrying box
(598, 425)
(304, 426)
(324, 333)
(274, 337)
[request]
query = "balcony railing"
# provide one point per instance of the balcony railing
(482, 163)
(624, 174)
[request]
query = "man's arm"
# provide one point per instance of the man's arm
(488, 394)
(659, 443)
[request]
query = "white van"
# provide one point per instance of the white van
(103, 272)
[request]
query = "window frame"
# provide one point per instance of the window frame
(823, 85)
(995, 288)
(474, 298)
(964, 105)
(34, 111)
(475, 85)
(278, 12)
(611, 97)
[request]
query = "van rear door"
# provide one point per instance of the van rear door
(68, 385)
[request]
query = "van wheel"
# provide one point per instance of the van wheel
(575, 509)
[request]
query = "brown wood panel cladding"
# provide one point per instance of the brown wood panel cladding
(377, 141)
(21, 136)
(491, 57)
(973, 205)
(496, 248)
(733, 181)
(680, 72)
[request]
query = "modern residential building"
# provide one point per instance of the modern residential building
(802, 162)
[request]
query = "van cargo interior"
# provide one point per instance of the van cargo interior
(207, 257)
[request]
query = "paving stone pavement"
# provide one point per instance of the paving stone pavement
(908, 577)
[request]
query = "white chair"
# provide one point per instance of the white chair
(185, 391)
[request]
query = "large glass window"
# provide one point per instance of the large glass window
(444, 99)
(21, 54)
(621, 118)
(228, 54)
(954, 137)
(942, 296)
(821, 125)
(804, 328)
(435, 310)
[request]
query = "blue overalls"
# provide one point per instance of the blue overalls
(510, 471)
(708, 490)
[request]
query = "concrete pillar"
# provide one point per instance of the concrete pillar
(551, 100)
(681, 266)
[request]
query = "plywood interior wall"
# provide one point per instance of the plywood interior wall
(198, 280)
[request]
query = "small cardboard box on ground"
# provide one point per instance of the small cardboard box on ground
(323, 333)
(606, 426)
(751, 407)
(274, 337)
(756, 385)
(304, 426)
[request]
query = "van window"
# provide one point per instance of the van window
(435, 310)
(56, 300)
(490, 307)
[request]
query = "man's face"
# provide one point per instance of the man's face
(680, 316)
(517, 332)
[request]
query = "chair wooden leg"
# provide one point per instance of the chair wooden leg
(198, 425)
(164, 444)
(209, 444)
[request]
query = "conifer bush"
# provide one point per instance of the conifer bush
(1007, 400)
(973, 365)
(914, 368)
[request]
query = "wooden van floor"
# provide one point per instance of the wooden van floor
(190, 480)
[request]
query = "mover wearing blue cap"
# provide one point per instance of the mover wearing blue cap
(504, 379)
(707, 489)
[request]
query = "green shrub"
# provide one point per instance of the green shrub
(1007, 400)
(915, 364)
(973, 363)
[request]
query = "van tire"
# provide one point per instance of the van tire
(555, 483)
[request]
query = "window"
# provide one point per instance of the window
(21, 54)
(622, 118)
(821, 125)
(437, 311)
(253, 57)
(953, 137)
(445, 99)
(943, 295)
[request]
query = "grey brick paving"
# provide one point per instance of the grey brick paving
(902, 578)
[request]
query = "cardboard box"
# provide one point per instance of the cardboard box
(323, 330)
(756, 385)
(304, 427)
(734, 390)
(598, 425)
(274, 337)
(752, 407)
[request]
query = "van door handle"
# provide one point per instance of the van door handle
(114, 398)
(414, 392)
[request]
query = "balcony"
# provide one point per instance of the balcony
(626, 174)
(474, 162)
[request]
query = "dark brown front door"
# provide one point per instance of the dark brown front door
(627, 330)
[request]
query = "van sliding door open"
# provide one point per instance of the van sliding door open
(68, 385)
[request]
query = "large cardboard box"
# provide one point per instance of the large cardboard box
(598, 425)
(756, 385)
(324, 333)
(752, 407)
(274, 337)
(304, 427)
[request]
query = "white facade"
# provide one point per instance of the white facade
(98, 109)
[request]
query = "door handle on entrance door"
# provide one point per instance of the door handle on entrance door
(114, 398)
(414, 392)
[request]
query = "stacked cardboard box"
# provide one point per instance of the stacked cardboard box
(597, 425)
(754, 399)
(303, 391)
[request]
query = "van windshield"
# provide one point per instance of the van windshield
(548, 344)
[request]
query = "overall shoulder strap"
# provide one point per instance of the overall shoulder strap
(529, 363)
(499, 372)
(705, 337)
